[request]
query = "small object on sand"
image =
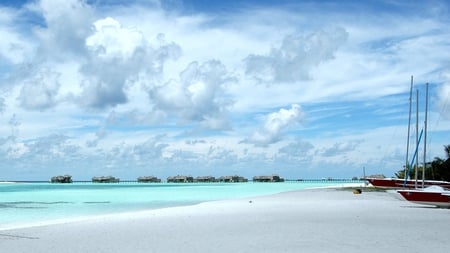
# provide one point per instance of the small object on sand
(357, 191)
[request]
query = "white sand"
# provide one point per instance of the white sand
(325, 220)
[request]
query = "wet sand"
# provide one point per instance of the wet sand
(321, 220)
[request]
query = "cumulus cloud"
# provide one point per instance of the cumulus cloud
(14, 47)
(274, 125)
(66, 26)
(39, 92)
(14, 124)
(150, 149)
(340, 148)
(297, 149)
(54, 145)
(111, 41)
(194, 142)
(295, 57)
(39, 156)
(112, 49)
(117, 57)
(2, 105)
(198, 96)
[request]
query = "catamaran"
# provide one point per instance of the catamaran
(431, 195)
(397, 183)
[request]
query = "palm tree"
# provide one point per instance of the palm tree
(447, 151)
(440, 167)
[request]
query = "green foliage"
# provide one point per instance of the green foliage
(438, 169)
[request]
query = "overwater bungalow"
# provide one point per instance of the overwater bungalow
(180, 179)
(205, 179)
(233, 179)
(271, 178)
(105, 179)
(66, 179)
(148, 179)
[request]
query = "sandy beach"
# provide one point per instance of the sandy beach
(321, 220)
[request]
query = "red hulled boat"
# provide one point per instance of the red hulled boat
(433, 195)
(397, 183)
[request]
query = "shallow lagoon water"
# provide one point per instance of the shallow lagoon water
(26, 203)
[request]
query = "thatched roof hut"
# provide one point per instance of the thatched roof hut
(205, 179)
(233, 179)
(105, 179)
(148, 179)
(271, 178)
(66, 179)
(180, 179)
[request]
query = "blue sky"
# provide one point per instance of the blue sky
(304, 89)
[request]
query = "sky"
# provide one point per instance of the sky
(303, 89)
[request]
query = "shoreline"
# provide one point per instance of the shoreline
(314, 220)
(61, 221)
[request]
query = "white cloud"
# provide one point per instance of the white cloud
(274, 125)
(38, 93)
(118, 57)
(296, 57)
(198, 96)
(14, 46)
(17, 150)
(14, 124)
(111, 41)
(2, 105)
(67, 24)
(340, 149)
(301, 150)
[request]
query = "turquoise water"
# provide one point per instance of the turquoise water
(26, 203)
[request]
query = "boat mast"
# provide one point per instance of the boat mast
(425, 137)
(409, 126)
(416, 171)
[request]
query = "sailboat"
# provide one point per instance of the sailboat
(393, 183)
(397, 183)
(431, 195)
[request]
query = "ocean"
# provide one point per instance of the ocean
(26, 204)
